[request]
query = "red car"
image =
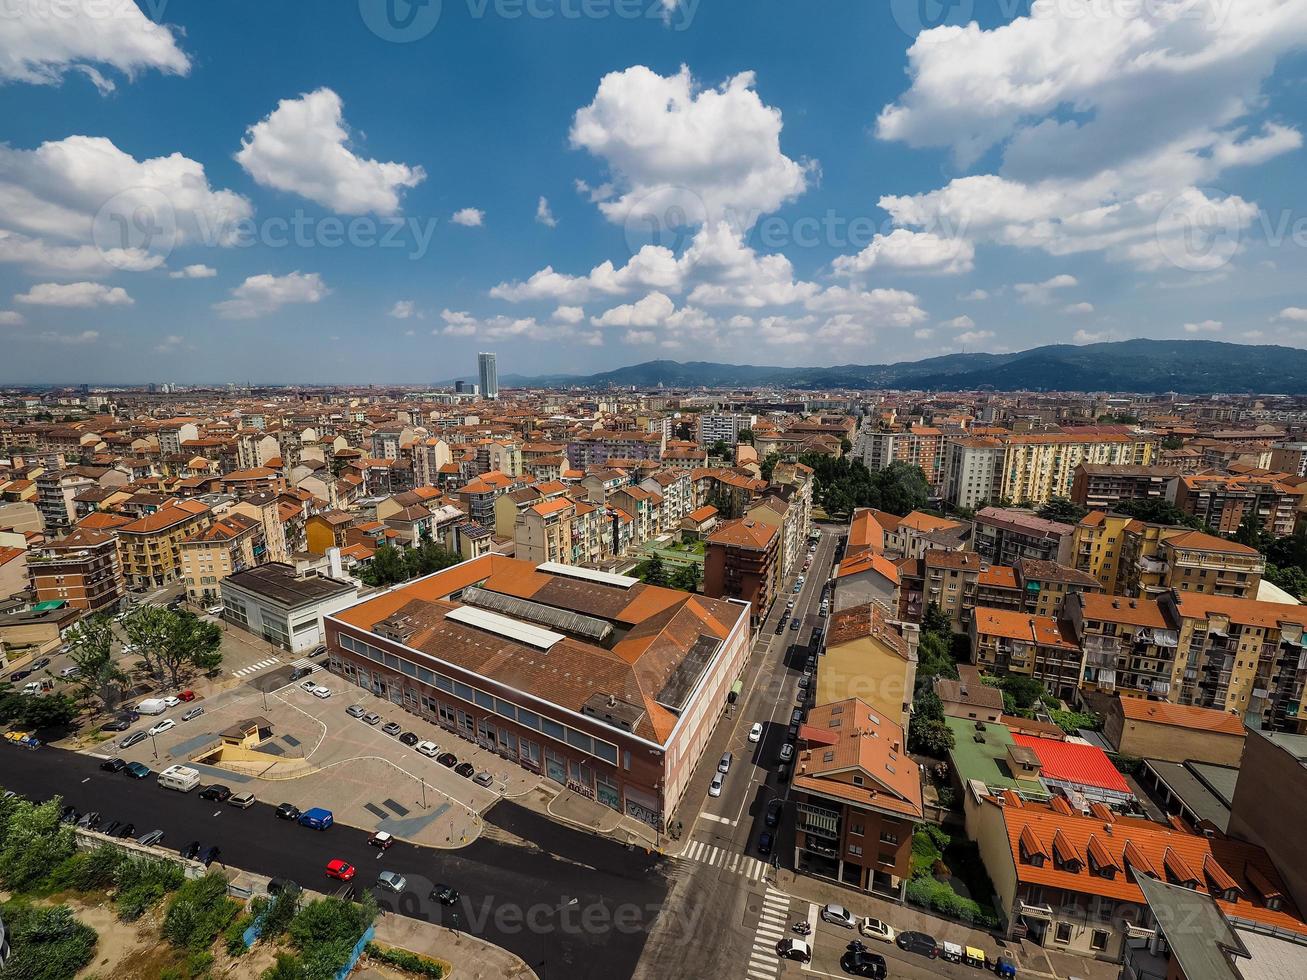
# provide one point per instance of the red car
(341, 870)
(186, 696)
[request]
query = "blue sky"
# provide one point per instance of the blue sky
(371, 191)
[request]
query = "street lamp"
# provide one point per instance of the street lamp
(155, 742)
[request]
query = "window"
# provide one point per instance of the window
(1098, 939)
(855, 850)
(444, 683)
(484, 700)
(463, 691)
(855, 829)
(889, 837)
(528, 718)
(553, 729)
(580, 740)
(1063, 932)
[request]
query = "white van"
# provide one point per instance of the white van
(181, 778)
(152, 706)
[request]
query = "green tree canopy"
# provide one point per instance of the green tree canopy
(1063, 510)
(90, 649)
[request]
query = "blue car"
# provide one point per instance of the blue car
(316, 818)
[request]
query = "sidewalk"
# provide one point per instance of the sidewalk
(1031, 959)
(472, 958)
(575, 810)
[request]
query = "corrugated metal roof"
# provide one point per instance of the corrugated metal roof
(574, 623)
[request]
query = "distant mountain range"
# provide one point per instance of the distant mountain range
(1149, 366)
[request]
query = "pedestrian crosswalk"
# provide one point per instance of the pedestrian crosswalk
(255, 668)
(308, 662)
(772, 923)
(720, 857)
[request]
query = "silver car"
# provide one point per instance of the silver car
(356, 711)
(391, 881)
(838, 915)
(190, 713)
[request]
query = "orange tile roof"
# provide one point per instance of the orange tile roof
(703, 513)
(1115, 609)
(1245, 612)
(1042, 630)
(869, 561)
(865, 532)
(927, 522)
(998, 576)
(552, 506)
(1181, 715)
(744, 533)
(1199, 541)
(857, 740)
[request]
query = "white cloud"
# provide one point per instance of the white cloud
(923, 333)
(40, 43)
(81, 206)
(169, 344)
(962, 322)
(1094, 336)
(569, 314)
(973, 337)
(11, 318)
(1042, 292)
(264, 294)
(67, 339)
(468, 217)
(1253, 335)
(975, 295)
(680, 154)
(403, 309)
(909, 251)
(197, 271)
(544, 215)
(1205, 326)
(302, 146)
(651, 311)
(1291, 314)
(1108, 120)
(640, 337)
(459, 323)
(82, 295)
(1078, 309)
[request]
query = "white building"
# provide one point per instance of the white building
(489, 374)
(723, 425)
(973, 472)
(274, 602)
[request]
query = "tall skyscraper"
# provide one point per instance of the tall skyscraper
(489, 375)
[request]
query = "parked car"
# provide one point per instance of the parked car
(764, 843)
(172, 700)
(161, 727)
(112, 829)
(794, 624)
(317, 818)
(322, 692)
(89, 821)
(189, 852)
(242, 800)
(194, 712)
(780, 627)
(794, 949)
(304, 671)
(137, 770)
(319, 651)
(125, 830)
(772, 816)
(211, 855)
(135, 738)
(917, 942)
(288, 811)
(150, 839)
(381, 839)
(356, 711)
(483, 778)
(39, 664)
(340, 870)
(72, 671)
(445, 895)
(308, 685)
(447, 759)
(876, 929)
(466, 770)
(392, 728)
(429, 749)
(112, 765)
(372, 717)
(392, 881)
(409, 739)
(19, 675)
(215, 791)
(187, 695)
(838, 915)
(116, 725)
(755, 733)
(861, 963)
(715, 787)
(787, 752)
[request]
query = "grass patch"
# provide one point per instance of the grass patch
(949, 877)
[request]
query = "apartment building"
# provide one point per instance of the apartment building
(1008, 642)
(211, 554)
(949, 582)
(1098, 549)
(150, 547)
(596, 448)
(1002, 535)
(1222, 501)
(543, 533)
(1273, 767)
(920, 445)
(723, 426)
(1040, 466)
(1192, 561)
(82, 569)
(1129, 645)
(774, 508)
(972, 472)
(1101, 487)
(857, 799)
(599, 682)
(868, 658)
(742, 562)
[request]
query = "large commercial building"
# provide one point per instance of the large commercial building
(282, 606)
(489, 374)
(600, 682)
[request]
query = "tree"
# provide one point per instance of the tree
(40, 712)
(653, 571)
(687, 577)
(173, 644)
(768, 465)
(1062, 510)
(1292, 579)
(387, 567)
(927, 732)
(1173, 443)
(47, 942)
(1156, 510)
(745, 436)
(34, 843)
(99, 675)
(721, 449)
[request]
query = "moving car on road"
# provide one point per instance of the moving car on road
(715, 787)
(340, 870)
(162, 726)
(794, 949)
(755, 733)
(391, 881)
(445, 895)
(195, 712)
(861, 963)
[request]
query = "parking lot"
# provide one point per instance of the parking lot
(318, 755)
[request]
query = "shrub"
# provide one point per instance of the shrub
(402, 959)
(47, 943)
(199, 912)
(35, 843)
(325, 931)
(287, 967)
(1071, 721)
(233, 936)
(281, 909)
(142, 883)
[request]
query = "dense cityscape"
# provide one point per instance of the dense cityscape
(653, 490)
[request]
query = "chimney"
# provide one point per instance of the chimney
(333, 556)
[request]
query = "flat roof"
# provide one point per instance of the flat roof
(985, 760)
(279, 583)
(1193, 792)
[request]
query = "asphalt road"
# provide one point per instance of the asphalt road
(571, 905)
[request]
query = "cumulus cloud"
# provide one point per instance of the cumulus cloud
(302, 146)
(460, 323)
(81, 206)
(170, 344)
(196, 271)
(648, 312)
(1204, 326)
(468, 217)
(81, 295)
(11, 318)
(544, 215)
(569, 314)
(1078, 309)
(1108, 121)
(962, 322)
(973, 337)
(975, 295)
(67, 339)
(403, 309)
(263, 294)
(41, 43)
(1042, 292)
(1291, 314)
(679, 154)
(909, 251)
(640, 337)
